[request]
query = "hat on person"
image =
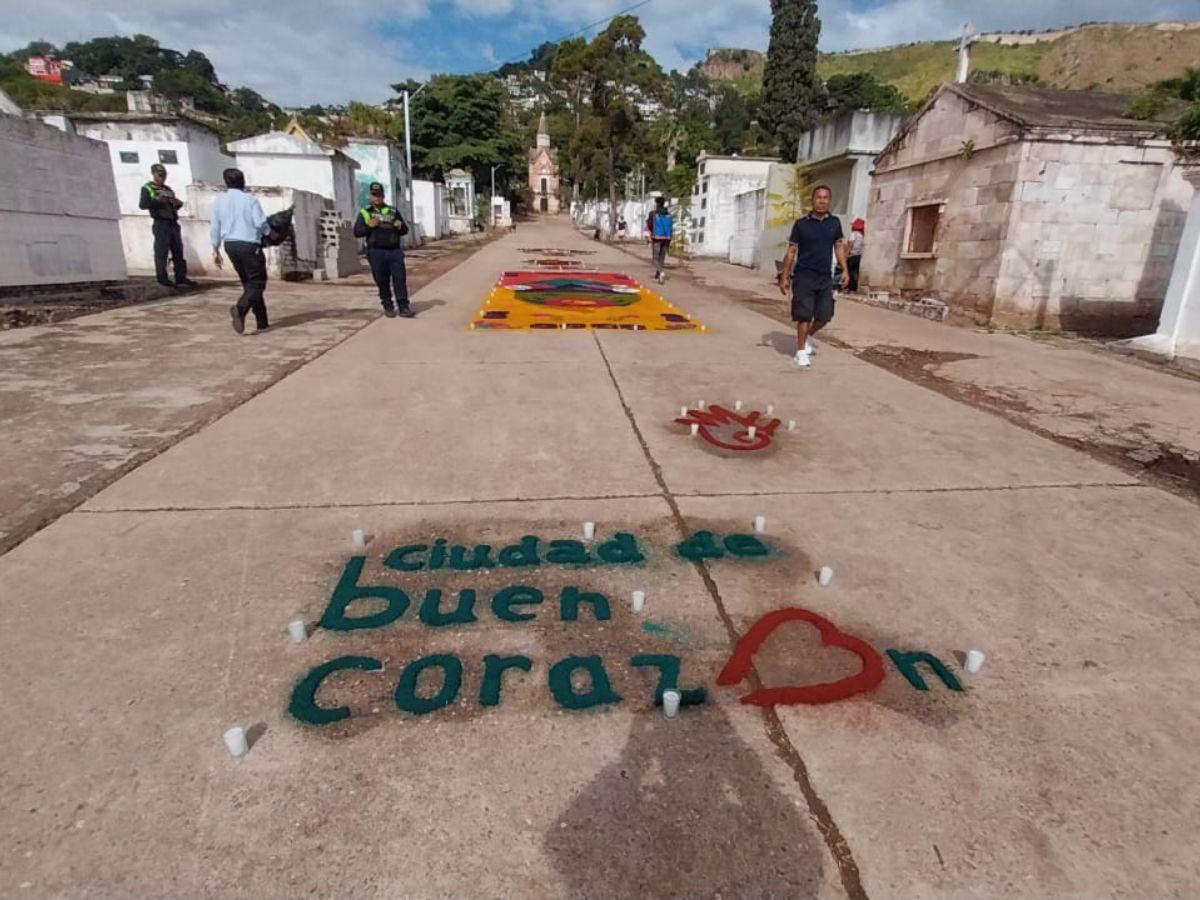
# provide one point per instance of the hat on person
(858, 225)
(375, 188)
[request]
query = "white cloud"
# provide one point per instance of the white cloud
(298, 52)
(316, 51)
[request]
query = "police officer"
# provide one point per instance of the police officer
(164, 206)
(383, 227)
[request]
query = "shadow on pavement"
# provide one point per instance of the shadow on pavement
(687, 811)
(424, 305)
(781, 342)
(316, 314)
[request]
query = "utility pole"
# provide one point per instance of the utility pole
(408, 144)
(493, 206)
(964, 54)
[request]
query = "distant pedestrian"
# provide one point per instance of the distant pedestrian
(383, 227)
(805, 273)
(238, 220)
(164, 207)
(622, 228)
(858, 230)
(661, 228)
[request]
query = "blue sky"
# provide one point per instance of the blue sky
(330, 51)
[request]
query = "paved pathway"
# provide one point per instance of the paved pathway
(84, 401)
(140, 626)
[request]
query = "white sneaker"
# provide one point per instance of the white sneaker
(803, 359)
(810, 346)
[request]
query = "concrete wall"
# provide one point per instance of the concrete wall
(383, 161)
(138, 242)
(749, 217)
(194, 162)
(278, 159)
(858, 132)
(787, 198)
(58, 208)
(430, 211)
(714, 211)
(1092, 237)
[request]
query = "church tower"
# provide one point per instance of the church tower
(543, 172)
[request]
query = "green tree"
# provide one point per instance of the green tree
(464, 122)
(368, 121)
(731, 120)
(791, 92)
(861, 90)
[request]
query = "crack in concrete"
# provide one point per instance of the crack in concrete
(818, 811)
(708, 495)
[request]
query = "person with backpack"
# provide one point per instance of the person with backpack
(661, 228)
(383, 227)
(238, 220)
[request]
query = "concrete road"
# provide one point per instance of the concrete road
(143, 624)
(84, 401)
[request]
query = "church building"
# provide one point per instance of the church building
(543, 172)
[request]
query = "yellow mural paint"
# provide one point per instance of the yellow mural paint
(537, 300)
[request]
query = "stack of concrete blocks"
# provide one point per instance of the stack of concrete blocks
(1037, 229)
(59, 217)
(339, 246)
(926, 307)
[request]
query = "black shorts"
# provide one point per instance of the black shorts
(811, 300)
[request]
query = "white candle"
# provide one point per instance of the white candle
(760, 523)
(975, 660)
(670, 704)
(752, 431)
(825, 575)
(589, 530)
(737, 405)
(791, 424)
(235, 740)
(683, 411)
(770, 408)
(695, 428)
(700, 405)
(358, 539)
(297, 631)
(639, 601)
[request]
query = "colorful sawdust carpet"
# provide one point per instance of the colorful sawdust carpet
(573, 300)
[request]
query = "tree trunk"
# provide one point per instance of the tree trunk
(612, 191)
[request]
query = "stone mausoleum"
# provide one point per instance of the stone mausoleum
(1029, 207)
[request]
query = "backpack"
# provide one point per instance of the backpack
(664, 226)
(280, 224)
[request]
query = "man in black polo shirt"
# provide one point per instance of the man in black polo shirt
(806, 271)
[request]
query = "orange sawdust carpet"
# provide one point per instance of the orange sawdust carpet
(525, 300)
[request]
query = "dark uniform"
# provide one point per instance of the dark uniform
(385, 253)
(160, 201)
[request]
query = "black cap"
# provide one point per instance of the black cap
(375, 187)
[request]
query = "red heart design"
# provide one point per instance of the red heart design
(739, 663)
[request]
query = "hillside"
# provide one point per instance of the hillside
(1105, 56)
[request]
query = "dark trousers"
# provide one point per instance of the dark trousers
(251, 267)
(659, 255)
(168, 239)
(852, 267)
(387, 268)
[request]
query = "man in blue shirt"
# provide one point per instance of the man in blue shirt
(806, 271)
(238, 220)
